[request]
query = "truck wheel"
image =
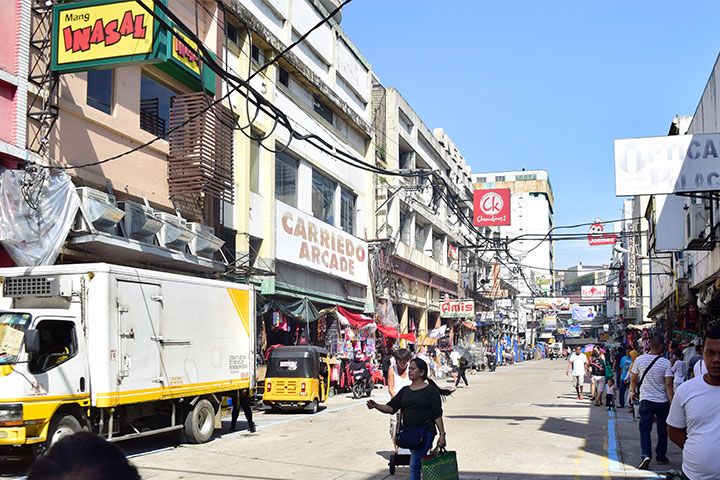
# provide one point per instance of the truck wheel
(200, 422)
(60, 426)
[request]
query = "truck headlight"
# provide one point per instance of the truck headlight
(11, 415)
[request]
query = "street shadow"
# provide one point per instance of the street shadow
(205, 473)
(514, 418)
(385, 453)
(557, 405)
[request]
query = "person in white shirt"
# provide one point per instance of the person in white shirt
(694, 420)
(655, 376)
(699, 369)
(678, 369)
(579, 363)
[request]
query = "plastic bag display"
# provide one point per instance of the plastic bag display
(30, 236)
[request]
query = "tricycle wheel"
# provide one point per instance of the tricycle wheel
(314, 405)
(358, 390)
(392, 464)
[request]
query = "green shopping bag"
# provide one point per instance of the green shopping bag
(440, 465)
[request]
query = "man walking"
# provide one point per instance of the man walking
(694, 420)
(652, 375)
(579, 364)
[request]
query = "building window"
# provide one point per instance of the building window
(482, 179)
(286, 168)
(255, 53)
(232, 33)
(100, 90)
(437, 247)
(347, 211)
(323, 110)
(284, 77)
(405, 159)
(420, 237)
(500, 178)
(529, 176)
(323, 197)
(155, 102)
(255, 160)
(405, 225)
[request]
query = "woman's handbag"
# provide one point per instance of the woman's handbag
(440, 465)
(411, 436)
(608, 371)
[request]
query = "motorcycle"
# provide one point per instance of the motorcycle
(490, 361)
(360, 372)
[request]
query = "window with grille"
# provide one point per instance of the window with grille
(323, 197)
(155, 102)
(347, 211)
(286, 168)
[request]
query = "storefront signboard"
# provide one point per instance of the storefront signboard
(593, 292)
(491, 207)
(671, 164)
(457, 309)
(551, 303)
(110, 33)
(550, 321)
(100, 34)
(309, 242)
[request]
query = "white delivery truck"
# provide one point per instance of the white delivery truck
(119, 351)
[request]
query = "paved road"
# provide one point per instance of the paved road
(521, 421)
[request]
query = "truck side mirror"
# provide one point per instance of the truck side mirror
(32, 341)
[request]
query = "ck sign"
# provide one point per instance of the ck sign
(491, 207)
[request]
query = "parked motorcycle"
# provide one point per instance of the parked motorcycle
(490, 361)
(361, 374)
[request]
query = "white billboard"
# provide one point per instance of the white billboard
(304, 240)
(593, 292)
(672, 164)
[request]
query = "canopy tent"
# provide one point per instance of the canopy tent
(302, 311)
(357, 320)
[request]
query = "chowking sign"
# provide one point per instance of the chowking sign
(491, 207)
(309, 242)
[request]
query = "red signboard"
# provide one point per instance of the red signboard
(491, 207)
(596, 236)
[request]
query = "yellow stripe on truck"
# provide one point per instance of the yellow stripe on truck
(113, 399)
(241, 301)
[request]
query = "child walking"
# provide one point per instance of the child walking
(610, 394)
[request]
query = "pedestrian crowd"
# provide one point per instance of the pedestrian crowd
(680, 398)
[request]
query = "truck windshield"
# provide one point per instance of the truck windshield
(12, 331)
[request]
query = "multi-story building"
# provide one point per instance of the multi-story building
(528, 262)
(99, 104)
(304, 209)
(423, 222)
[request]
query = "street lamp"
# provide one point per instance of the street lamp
(620, 249)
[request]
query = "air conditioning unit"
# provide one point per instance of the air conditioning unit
(205, 243)
(101, 210)
(696, 223)
(174, 232)
(140, 221)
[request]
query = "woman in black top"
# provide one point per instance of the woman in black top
(421, 404)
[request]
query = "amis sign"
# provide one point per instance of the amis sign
(457, 309)
(672, 164)
(92, 35)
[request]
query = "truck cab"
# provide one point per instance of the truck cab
(43, 376)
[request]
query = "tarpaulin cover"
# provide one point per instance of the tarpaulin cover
(357, 320)
(393, 333)
(385, 315)
(302, 311)
(35, 236)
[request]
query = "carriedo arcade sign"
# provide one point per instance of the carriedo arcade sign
(108, 34)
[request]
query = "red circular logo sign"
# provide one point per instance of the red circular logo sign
(491, 203)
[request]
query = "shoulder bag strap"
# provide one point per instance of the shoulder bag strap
(647, 370)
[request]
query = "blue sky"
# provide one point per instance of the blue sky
(544, 84)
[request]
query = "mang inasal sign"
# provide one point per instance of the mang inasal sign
(91, 35)
(108, 33)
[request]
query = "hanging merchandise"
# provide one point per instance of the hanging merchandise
(276, 319)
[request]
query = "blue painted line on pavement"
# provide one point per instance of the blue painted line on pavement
(612, 454)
